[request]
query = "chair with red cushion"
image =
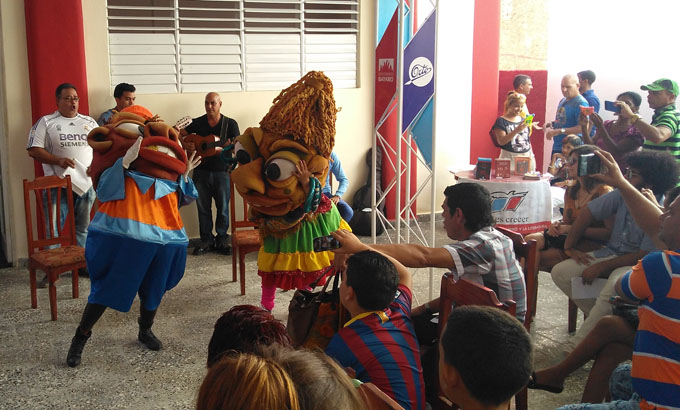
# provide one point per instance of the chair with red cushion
(525, 252)
(64, 254)
(462, 293)
(245, 238)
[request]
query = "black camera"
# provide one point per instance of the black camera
(325, 243)
(589, 164)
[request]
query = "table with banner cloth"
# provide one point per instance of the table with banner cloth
(522, 205)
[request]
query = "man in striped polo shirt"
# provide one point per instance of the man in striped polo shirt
(654, 379)
(663, 134)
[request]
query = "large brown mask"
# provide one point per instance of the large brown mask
(266, 163)
(160, 155)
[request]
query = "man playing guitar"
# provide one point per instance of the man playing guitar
(213, 131)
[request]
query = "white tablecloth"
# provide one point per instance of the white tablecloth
(522, 205)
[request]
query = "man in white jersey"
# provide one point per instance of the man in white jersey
(59, 142)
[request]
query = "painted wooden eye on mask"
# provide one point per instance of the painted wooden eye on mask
(279, 169)
(241, 154)
(130, 127)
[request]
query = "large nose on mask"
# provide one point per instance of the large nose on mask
(248, 177)
(161, 129)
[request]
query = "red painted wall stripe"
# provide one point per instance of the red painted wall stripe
(486, 42)
(56, 53)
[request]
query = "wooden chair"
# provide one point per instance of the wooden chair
(462, 293)
(67, 256)
(573, 314)
(245, 238)
(525, 252)
(376, 399)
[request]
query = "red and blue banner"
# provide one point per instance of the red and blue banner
(385, 93)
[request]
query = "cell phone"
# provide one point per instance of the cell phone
(325, 243)
(529, 119)
(587, 110)
(611, 106)
(589, 164)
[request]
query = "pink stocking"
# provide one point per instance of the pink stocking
(267, 300)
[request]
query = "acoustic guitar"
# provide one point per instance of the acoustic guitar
(182, 123)
(205, 146)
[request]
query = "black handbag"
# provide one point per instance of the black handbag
(314, 317)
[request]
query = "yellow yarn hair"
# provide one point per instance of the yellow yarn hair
(306, 110)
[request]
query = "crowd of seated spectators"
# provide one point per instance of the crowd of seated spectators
(485, 356)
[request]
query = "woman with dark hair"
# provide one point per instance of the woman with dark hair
(583, 189)
(608, 344)
(619, 137)
(511, 133)
(558, 163)
(242, 328)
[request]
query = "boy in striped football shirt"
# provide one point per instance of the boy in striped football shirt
(379, 341)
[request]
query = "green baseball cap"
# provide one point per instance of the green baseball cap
(662, 84)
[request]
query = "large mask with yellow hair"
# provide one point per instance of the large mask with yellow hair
(299, 126)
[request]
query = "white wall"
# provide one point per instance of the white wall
(453, 91)
(615, 39)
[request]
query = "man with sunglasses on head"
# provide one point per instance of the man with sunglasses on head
(59, 142)
(663, 133)
(627, 243)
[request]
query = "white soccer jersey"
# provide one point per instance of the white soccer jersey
(63, 137)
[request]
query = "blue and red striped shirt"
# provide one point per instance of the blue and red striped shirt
(655, 281)
(382, 348)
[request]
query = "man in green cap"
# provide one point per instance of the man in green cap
(663, 134)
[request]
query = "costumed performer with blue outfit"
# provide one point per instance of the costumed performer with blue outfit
(136, 243)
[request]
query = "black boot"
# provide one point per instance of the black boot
(76, 349)
(145, 335)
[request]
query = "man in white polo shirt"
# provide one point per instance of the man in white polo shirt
(59, 142)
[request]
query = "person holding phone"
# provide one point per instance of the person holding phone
(511, 131)
(627, 243)
(618, 137)
(663, 133)
(582, 190)
(652, 380)
(608, 344)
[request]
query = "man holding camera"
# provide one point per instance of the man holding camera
(627, 242)
(663, 133)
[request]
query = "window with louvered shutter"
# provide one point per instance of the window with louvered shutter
(175, 46)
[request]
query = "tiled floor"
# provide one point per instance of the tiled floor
(117, 372)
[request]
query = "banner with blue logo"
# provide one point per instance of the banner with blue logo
(419, 71)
